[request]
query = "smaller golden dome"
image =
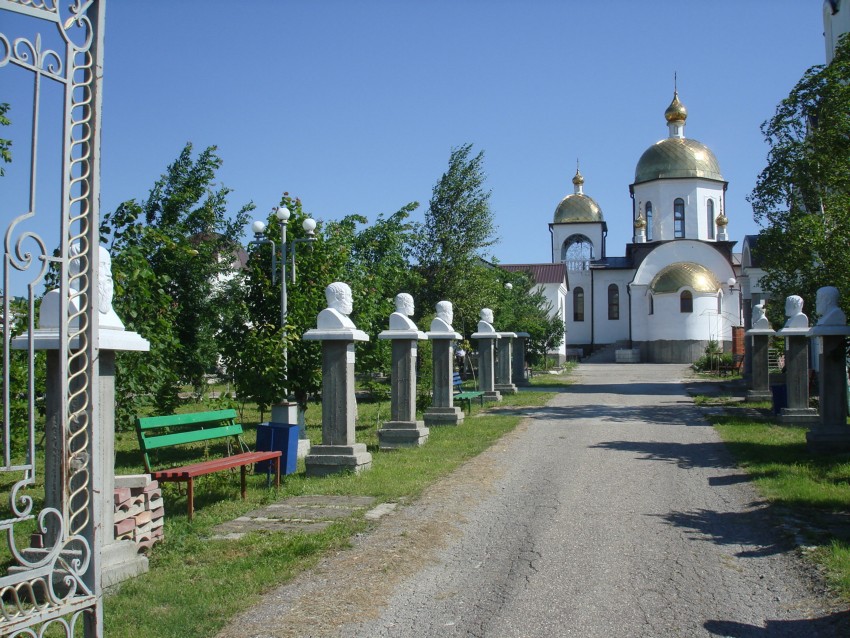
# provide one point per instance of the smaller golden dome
(676, 112)
(640, 222)
(578, 179)
(721, 220)
(676, 276)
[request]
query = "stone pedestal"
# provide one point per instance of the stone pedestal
(486, 364)
(760, 379)
(402, 430)
(443, 410)
(120, 559)
(518, 364)
(504, 367)
(797, 378)
(831, 433)
(338, 452)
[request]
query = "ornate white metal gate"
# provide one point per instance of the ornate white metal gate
(56, 47)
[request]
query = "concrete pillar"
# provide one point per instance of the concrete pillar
(402, 430)
(504, 367)
(120, 559)
(760, 379)
(797, 379)
(339, 451)
(443, 410)
(518, 365)
(831, 434)
(486, 365)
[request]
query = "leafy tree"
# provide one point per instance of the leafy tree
(5, 145)
(170, 254)
(458, 228)
(252, 339)
(802, 197)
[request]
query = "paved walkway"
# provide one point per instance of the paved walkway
(614, 511)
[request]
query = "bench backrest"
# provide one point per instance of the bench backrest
(156, 432)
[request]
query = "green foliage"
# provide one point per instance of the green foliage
(458, 227)
(5, 144)
(802, 197)
(19, 395)
(713, 358)
(170, 254)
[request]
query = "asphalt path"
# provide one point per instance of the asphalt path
(613, 511)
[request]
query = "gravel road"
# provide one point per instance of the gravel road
(614, 511)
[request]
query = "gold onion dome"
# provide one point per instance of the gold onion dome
(683, 274)
(721, 220)
(676, 112)
(640, 222)
(677, 157)
(578, 207)
(578, 180)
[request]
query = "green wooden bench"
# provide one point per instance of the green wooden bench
(468, 395)
(164, 432)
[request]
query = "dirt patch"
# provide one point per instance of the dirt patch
(354, 585)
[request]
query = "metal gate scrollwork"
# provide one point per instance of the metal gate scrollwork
(52, 49)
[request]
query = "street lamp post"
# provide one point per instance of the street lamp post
(309, 225)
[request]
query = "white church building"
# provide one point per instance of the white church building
(676, 288)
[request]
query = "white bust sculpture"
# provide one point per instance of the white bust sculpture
(49, 312)
(486, 323)
(760, 321)
(443, 321)
(828, 309)
(794, 312)
(340, 305)
(404, 309)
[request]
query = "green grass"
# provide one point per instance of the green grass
(196, 585)
(813, 490)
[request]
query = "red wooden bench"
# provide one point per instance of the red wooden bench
(162, 432)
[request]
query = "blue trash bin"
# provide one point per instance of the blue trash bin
(273, 437)
(780, 397)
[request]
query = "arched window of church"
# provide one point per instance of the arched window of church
(686, 301)
(709, 207)
(613, 302)
(578, 304)
(577, 252)
(648, 221)
(719, 303)
(679, 218)
(651, 304)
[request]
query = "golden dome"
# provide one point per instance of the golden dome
(577, 207)
(676, 276)
(640, 222)
(676, 112)
(721, 220)
(677, 157)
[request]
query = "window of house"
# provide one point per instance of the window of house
(686, 301)
(709, 207)
(613, 302)
(648, 221)
(679, 218)
(578, 304)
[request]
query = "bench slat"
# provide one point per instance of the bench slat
(153, 442)
(216, 416)
(213, 465)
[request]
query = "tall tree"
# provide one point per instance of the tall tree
(170, 254)
(458, 229)
(802, 197)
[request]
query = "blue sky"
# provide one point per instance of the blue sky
(355, 106)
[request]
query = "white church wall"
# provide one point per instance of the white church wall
(834, 25)
(610, 330)
(684, 250)
(695, 193)
(579, 332)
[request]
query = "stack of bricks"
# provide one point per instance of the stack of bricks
(139, 511)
